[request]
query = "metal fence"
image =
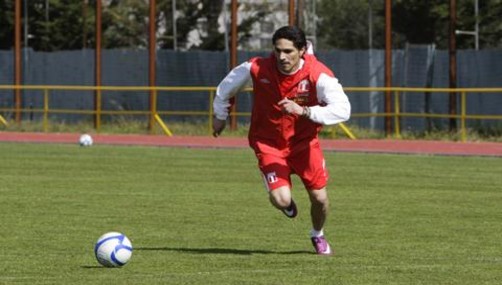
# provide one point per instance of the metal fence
(154, 113)
(415, 66)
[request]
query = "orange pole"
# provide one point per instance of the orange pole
(233, 60)
(453, 65)
(291, 19)
(97, 62)
(151, 64)
(388, 66)
(233, 34)
(17, 60)
(300, 8)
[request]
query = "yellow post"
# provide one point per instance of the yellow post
(332, 132)
(46, 110)
(347, 131)
(210, 119)
(462, 117)
(162, 125)
(3, 121)
(153, 109)
(397, 125)
(97, 103)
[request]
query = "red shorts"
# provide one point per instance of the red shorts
(307, 162)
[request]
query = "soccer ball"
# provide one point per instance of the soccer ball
(85, 140)
(113, 249)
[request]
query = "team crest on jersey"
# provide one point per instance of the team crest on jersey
(302, 92)
(303, 86)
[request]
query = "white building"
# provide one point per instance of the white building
(276, 15)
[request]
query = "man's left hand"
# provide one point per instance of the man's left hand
(218, 126)
(290, 107)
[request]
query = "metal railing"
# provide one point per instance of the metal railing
(154, 113)
(396, 114)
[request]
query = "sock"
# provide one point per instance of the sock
(314, 233)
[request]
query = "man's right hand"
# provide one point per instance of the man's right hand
(218, 126)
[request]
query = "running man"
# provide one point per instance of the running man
(294, 96)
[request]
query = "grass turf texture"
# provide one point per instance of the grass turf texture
(201, 216)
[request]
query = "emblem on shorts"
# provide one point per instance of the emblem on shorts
(271, 177)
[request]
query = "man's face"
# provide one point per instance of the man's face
(287, 55)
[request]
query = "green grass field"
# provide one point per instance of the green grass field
(199, 216)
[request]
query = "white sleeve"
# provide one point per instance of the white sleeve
(330, 92)
(235, 81)
(310, 47)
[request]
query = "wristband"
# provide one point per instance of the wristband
(306, 112)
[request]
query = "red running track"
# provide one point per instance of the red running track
(344, 145)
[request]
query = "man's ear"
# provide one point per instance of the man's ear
(302, 51)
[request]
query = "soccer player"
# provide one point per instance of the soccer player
(294, 95)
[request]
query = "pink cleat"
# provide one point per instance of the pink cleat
(321, 245)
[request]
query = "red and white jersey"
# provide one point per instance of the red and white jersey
(313, 85)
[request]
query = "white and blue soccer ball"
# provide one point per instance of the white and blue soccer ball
(113, 249)
(85, 140)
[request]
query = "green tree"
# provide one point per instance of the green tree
(345, 23)
(69, 24)
(428, 22)
(6, 24)
(125, 24)
(52, 25)
(490, 23)
(59, 26)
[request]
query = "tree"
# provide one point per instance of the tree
(6, 24)
(125, 24)
(490, 23)
(52, 25)
(202, 16)
(344, 23)
(69, 24)
(56, 26)
(213, 39)
(254, 14)
(189, 15)
(428, 22)
(420, 22)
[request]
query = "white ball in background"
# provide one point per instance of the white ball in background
(85, 140)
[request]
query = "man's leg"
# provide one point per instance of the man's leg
(281, 199)
(319, 207)
(319, 211)
(276, 176)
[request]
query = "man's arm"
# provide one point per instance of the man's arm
(337, 108)
(235, 80)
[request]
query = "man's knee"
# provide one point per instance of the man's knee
(281, 197)
(319, 196)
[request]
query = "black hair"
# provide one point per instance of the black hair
(292, 33)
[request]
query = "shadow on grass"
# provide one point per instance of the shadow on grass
(221, 250)
(96, 267)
